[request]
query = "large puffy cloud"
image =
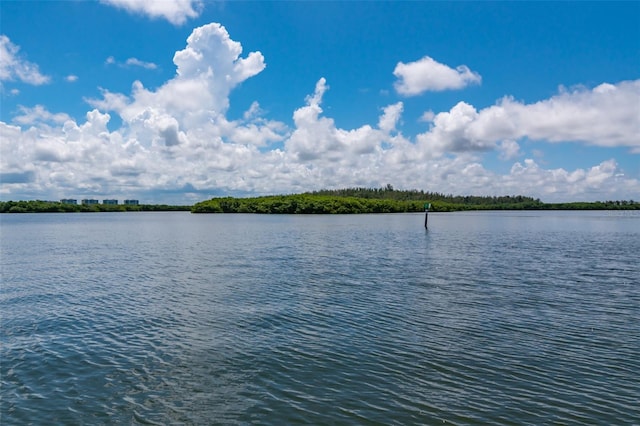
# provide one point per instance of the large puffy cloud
(176, 136)
(607, 115)
(601, 182)
(317, 138)
(450, 132)
(427, 74)
(62, 158)
(175, 11)
(212, 55)
(14, 67)
(196, 99)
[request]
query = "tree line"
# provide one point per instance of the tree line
(333, 201)
(306, 204)
(39, 206)
(337, 204)
(388, 200)
(389, 192)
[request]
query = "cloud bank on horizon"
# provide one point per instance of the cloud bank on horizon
(175, 142)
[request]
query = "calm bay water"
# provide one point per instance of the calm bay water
(173, 318)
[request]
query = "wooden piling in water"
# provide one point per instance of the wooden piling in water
(427, 206)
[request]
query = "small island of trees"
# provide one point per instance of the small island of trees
(388, 200)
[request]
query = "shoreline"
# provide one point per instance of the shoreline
(313, 204)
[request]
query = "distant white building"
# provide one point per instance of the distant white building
(69, 201)
(131, 202)
(110, 202)
(87, 202)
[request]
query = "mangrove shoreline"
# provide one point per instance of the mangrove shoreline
(341, 201)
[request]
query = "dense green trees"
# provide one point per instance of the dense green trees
(38, 206)
(389, 192)
(386, 200)
(305, 204)
(340, 201)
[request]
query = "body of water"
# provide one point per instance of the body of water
(174, 318)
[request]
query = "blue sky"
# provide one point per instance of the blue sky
(177, 101)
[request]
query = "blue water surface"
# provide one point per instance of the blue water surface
(174, 318)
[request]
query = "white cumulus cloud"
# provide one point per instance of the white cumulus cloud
(316, 138)
(197, 98)
(427, 74)
(600, 182)
(607, 115)
(175, 11)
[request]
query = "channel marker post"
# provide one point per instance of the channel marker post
(427, 206)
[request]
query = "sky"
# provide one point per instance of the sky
(178, 101)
